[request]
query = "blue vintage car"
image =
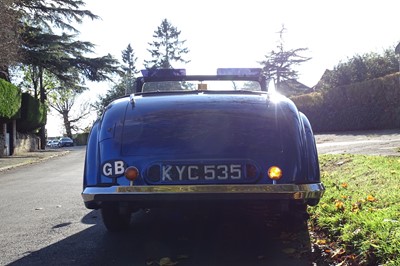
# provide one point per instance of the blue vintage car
(184, 139)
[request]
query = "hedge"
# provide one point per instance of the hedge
(33, 114)
(368, 105)
(80, 139)
(10, 101)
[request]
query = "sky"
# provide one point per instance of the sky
(232, 33)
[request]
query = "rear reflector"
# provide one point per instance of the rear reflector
(131, 173)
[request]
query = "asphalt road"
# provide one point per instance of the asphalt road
(43, 222)
(382, 142)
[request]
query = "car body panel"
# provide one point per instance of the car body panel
(204, 145)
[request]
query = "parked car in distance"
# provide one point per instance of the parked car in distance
(53, 143)
(65, 142)
(184, 140)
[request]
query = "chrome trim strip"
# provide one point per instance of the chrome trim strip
(290, 191)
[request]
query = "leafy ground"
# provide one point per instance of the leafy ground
(358, 220)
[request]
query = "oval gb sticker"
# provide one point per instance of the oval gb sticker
(113, 168)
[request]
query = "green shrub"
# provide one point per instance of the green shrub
(10, 100)
(367, 105)
(81, 139)
(33, 114)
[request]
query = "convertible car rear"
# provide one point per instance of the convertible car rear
(206, 139)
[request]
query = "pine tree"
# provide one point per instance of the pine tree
(53, 13)
(60, 55)
(279, 64)
(64, 57)
(126, 84)
(129, 59)
(166, 47)
(9, 37)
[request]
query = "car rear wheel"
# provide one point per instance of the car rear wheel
(115, 218)
(295, 218)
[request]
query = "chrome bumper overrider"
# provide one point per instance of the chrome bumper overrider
(130, 193)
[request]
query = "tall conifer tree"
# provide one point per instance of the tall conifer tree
(59, 54)
(166, 47)
(129, 68)
(279, 64)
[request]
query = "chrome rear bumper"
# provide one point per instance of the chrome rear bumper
(96, 195)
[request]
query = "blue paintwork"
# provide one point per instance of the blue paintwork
(186, 127)
(205, 128)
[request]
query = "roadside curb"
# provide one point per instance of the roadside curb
(31, 160)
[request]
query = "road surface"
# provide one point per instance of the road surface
(385, 142)
(44, 222)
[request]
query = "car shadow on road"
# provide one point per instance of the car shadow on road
(187, 237)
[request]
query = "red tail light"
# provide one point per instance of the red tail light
(131, 173)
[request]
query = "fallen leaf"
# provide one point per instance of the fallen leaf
(337, 253)
(339, 205)
(371, 198)
(167, 262)
(38, 209)
(356, 206)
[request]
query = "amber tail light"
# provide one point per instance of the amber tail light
(275, 173)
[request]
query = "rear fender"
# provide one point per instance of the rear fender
(91, 168)
(310, 151)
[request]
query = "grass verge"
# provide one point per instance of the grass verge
(357, 222)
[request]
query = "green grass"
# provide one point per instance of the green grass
(357, 222)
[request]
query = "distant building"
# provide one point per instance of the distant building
(322, 81)
(292, 87)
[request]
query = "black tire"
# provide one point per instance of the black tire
(115, 219)
(295, 219)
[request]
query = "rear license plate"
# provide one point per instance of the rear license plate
(207, 172)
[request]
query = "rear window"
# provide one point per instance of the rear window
(215, 85)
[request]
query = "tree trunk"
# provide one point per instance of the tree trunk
(13, 136)
(42, 131)
(4, 148)
(67, 124)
